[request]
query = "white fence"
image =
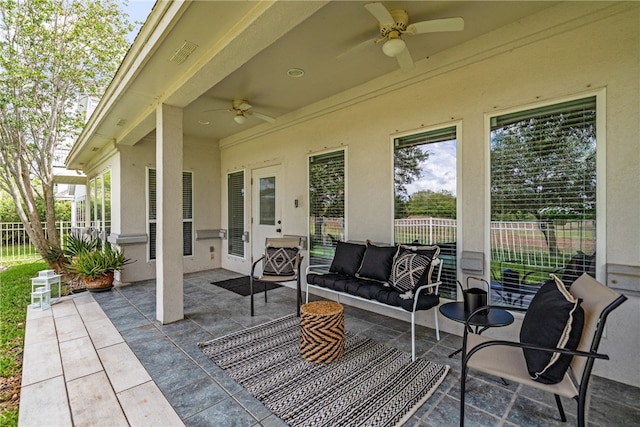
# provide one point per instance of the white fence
(523, 242)
(15, 244)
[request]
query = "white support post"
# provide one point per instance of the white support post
(169, 264)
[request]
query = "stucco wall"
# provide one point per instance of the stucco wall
(530, 62)
(201, 158)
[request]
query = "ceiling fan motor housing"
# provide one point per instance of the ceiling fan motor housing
(401, 20)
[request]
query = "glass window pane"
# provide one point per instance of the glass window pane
(267, 203)
(326, 204)
(543, 196)
(425, 169)
(107, 202)
(187, 195)
(152, 193)
(187, 235)
(235, 194)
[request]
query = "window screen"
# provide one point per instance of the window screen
(543, 195)
(235, 194)
(326, 204)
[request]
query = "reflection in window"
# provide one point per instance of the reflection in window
(543, 196)
(425, 196)
(326, 204)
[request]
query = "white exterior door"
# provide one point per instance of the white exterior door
(266, 209)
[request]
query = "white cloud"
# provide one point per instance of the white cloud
(439, 171)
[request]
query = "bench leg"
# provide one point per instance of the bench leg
(413, 336)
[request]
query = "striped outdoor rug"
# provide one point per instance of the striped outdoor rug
(371, 385)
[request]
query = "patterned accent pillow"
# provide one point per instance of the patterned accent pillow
(554, 319)
(408, 272)
(280, 261)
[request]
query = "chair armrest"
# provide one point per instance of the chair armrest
(253, 266)
(310, 268)
(434, 285)
(588, 354)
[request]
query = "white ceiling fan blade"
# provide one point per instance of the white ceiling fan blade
(436, 25)
(263, 116)
(405, 60)
(241, 105)
(357, 48)
(380, 13)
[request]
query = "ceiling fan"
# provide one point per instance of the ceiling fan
(394, 23)
(242, 109)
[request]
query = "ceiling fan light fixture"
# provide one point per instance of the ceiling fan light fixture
(393, 47)
(239, 118)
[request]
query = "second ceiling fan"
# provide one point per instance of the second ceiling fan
(242, 109)
(394, 24)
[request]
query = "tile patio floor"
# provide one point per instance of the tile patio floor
(144, 373)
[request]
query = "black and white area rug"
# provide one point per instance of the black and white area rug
(371, 385)
(241, 286)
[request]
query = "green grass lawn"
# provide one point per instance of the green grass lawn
(15, 297)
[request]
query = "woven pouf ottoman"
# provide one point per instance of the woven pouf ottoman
(321, 331)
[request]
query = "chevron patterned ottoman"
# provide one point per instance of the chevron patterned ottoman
(321, 331)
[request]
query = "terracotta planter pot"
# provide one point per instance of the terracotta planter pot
(101, 283)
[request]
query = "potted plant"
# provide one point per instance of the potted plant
(96, 267)
(61, 258)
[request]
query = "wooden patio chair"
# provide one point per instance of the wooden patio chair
(506, 360)
(280, 263)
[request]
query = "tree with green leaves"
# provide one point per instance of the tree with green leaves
(427, 203)
(52, 53)
(544, 168)
(407, 169)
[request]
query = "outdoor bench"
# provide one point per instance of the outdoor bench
(401, 277)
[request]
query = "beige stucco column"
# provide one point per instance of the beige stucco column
(169, 268)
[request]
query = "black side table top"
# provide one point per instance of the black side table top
(494, 318)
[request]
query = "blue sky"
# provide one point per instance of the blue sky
(138, 10)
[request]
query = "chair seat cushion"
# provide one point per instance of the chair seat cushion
(554, 319)
(509, 363)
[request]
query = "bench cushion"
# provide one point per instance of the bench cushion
(371, 290)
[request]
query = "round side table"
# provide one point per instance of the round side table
(322, 331)
(492, 318)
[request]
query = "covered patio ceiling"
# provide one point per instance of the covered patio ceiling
(201, 55)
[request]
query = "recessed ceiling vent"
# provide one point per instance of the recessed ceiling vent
(183, 52)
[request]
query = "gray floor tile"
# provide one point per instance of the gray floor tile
(199, 390)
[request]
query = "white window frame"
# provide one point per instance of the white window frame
(459, 211)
